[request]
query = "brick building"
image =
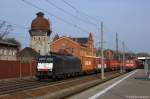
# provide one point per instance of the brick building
(79, 47)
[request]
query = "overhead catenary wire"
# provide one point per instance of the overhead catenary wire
(63, 10)
(82, 13)
(119, 40)
(57, 17)
(126, 47)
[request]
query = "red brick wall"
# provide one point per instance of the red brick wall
(16, 69)
(68, 45)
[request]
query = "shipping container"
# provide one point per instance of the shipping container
(88, 64)
(98, 63)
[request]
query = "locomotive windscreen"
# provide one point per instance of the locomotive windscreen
(45, 59)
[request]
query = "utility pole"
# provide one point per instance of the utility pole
(121, 65)
(102, 56)
(123, 58)
(117, 53)
(117, 46)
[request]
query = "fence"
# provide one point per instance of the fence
(16, 69)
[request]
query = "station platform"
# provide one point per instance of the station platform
(133, 85)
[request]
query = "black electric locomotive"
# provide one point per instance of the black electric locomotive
(57, 66)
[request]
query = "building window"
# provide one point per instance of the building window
(5, 51)
(14, 53)
(39, 38)
(10, 52)
(72, 50)
(34, 38)
(63, 46)
(1, 51)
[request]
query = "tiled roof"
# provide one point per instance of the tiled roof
(7, 43)
(40, 23)
(80, 40)
(28, 52)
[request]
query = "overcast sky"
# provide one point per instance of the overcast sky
(130, 18)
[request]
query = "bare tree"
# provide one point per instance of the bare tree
(5, 29)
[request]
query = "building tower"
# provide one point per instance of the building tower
(39, 33)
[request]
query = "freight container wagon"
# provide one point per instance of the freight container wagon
(97, 63)
(88, 64)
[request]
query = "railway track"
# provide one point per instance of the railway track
(11, 87)
(20, 85)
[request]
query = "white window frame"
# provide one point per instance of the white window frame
(14, 52)
(1, 51)
(10, 52)
(5, 52)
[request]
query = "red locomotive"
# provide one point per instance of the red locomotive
(130, 64)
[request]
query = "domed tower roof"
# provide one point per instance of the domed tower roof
(40, 23)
